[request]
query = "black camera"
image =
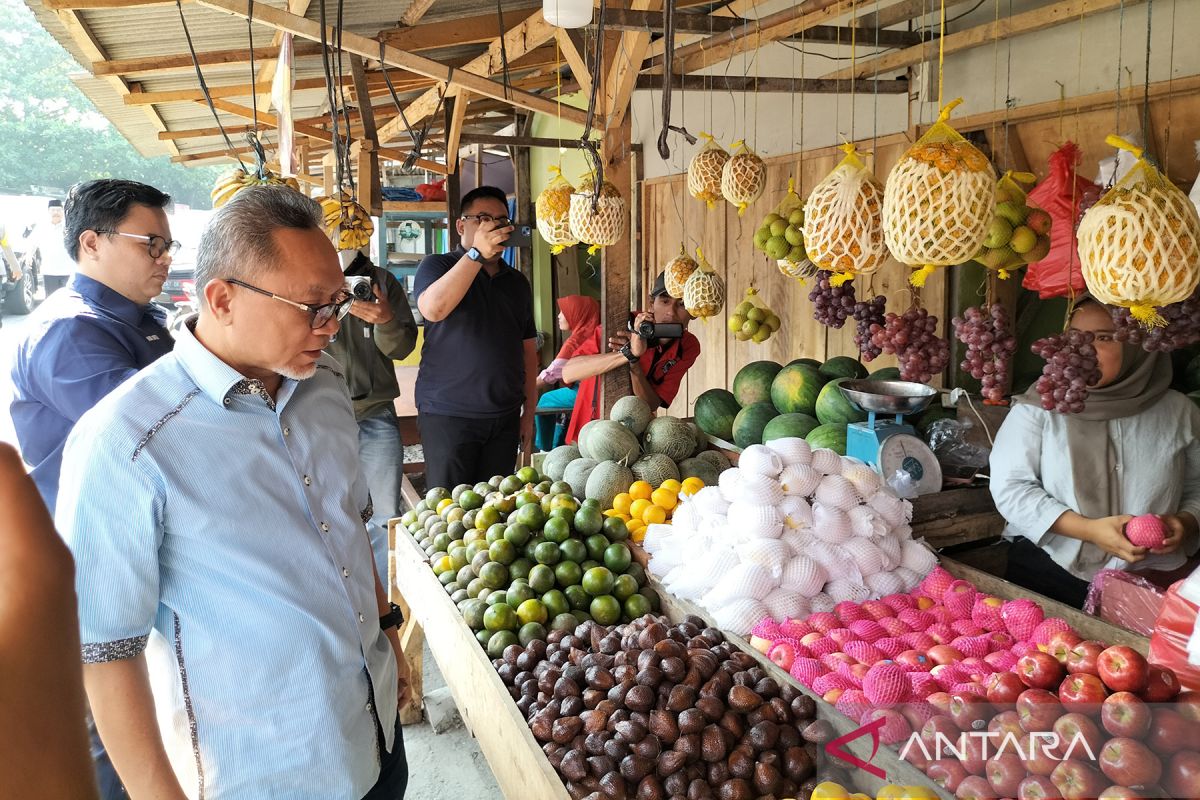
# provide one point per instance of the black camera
(654, 331)
(360, 278)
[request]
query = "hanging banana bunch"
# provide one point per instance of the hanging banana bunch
(236, 179)
(347, 224)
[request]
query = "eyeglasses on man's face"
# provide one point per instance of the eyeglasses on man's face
(321, 314)
(501, 222)
(157, 245)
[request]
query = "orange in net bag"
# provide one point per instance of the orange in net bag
(677, 271)
(704, 292)
(553, 212)
(938, 200)
(743, 178)
(704, 171)
(843, 222)
(600, 226)
(1018, 234)
(1139, 245)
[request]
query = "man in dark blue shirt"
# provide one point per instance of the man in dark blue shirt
(476, 387)
(88, 338)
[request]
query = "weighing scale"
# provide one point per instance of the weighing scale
(889, 445)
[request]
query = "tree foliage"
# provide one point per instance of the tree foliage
(51, 136)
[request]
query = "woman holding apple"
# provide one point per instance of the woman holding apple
(1067, 484)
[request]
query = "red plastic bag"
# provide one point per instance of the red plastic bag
(1060, 194)
(1169, 642)
(431, 192)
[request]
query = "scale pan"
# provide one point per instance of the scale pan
(888, 397)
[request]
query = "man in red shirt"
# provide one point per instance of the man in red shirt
(655, 368)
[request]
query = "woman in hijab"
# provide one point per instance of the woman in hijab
(580, 315)
(1067, 483)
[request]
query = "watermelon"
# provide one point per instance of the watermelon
(715, 410)
(843, 367)
(785, 425)
(832, 436)
(932, 415)
(750, 421)
(886, 374)
(832, 405)
(812, 362)
(752, 384)
(795, 389)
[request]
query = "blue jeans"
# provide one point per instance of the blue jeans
(547, 437)
(106, 775)
(382, 455)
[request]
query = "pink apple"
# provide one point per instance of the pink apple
(975, 787)
(1038, 787)
(969, 711)
(1124, 714)
(783, 654)
(1083, 656)
(1004, 724)
(913, 661)
(1005, 773)
(1128, 762)
(1076, 780)
(1074, 730)
(947, 773)
(1061, 644)
(945, 654)
(1003, 688)
(1040, 670)
(1171, 732)
(1038, 709)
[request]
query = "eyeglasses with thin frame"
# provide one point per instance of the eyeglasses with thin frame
(157, 245)
(321, 314)
(501, 222)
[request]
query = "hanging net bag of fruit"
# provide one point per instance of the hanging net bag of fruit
(597, 221)
(781, 236)
(704, 292)
(753, 320)
(677, 271)
(1139, 246)
(938, 200)
(1060, 194)
(743, 178)
(1018, 233)
(843, 221)
(553, 211)
(704, 171)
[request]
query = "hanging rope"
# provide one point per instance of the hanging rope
(1146, 85)
(347, 171)
(331, 98)
(503, 50)
(204, 86)
(260, 158)
(590, 150)
(1170, 94)
(668, 89)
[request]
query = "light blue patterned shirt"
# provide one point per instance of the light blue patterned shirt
(222, 532)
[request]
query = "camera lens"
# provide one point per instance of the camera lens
(360, 287)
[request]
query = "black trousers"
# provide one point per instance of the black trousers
(393, 769)
(468, 450)
(1033, 568)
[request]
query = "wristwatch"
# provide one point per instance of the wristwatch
(392, 619)
(627, 351)
(475, 255)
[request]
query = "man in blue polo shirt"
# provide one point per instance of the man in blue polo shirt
(477, 384)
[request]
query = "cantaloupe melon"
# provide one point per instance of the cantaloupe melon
(608, 440)
(557, 459)
(632, 412)
(577, 473)
(670, 436)
(716, 458)
(607, 480)
(654, 468)
(582, 440)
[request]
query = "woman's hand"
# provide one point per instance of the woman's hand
(1108, 533)
(1178, 527)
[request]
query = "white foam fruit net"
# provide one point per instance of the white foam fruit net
(843, 221)
(826, 461)
(743, 177)
(760, 460)
(799, 479)
(677, 271)
(704, 171)
(552, 210)
(791, 450)
(704, 292)
(602, 225)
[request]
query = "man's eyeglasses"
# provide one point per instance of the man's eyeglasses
(157, 245)
(320, 314)
(501, 222)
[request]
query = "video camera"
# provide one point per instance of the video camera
(361, 278)
(653, 332)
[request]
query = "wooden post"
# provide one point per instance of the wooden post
(618, 259)
(478, 165)
(523, 180)
(370, 187)
(328, 177)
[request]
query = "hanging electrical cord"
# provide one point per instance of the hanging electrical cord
(668, 89)
(340, 87)
(503, 51)
(1146, 85)
(252, 137)
(331, 98)
(590, 151)
(204, 86)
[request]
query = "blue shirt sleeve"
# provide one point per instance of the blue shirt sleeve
(430, 269)
(76, 364)
(114, 537)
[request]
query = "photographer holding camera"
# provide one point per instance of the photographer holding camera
(657, 350)
(378, 330)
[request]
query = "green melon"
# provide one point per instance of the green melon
(832, 405)
(582, 439)
(750, 422)
(886, 374)
(843, 367)
(796, 388)
(612, 441)
(557, 459)
(606, 481)
(831, 436)
(715, 410)
(812, 362)
(699, 436)
(700, 468)
(787, 425)
(752, 384)
(654, 468)
(632, 412)
(714, 457)
(670, 436)
(577, 473)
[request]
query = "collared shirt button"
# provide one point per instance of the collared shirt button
(361, 618)
(325, 527)
(345, 572)
(287, 431)
(228, 400)
(370, 708)
(307, 481)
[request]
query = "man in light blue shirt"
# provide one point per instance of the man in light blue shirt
(229, 606)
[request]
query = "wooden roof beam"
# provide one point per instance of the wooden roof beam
(627, 63)
(449, 33)
(266, 72)
(624, 19)
(739, 83)
(570, 44)
(414, 12)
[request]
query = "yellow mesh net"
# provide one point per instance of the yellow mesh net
(602, 226)
(1018, 233)
(704, 292)
(781, 236)
(743, 178)
(843, 222)
(704, 171)
(553, 211)
(677, 271)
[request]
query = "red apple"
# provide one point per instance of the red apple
(1040, 670)
(832, 696)
(1182, 776)
(1123, 669)
(1003, 724)
(1076, 780)
(1082, 692)
(1078, 735)
(1038, 709)
(939, 733)
(1003, 688)
(975, 787)
(1005, 773)
(1171, 732)
(783, 654)
(947, 773)
(1162, 685)
(1037, 787)
(917, 713)
(809, 639)
(1082, 658)
(1188, 704)
(1129, 762)
(1124, 793)
(1061, 644)
(969, 711)
(1125, 714)
(913, 661)
(974, 752)
(1040, 754)
(945, 654)
(940, 701)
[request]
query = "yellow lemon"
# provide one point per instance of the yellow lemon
(829, 791)
(671, 485)
(640, 490)
(918, 793)
(638, 535)
(623, 518)
(690, 487)
(639, 506)
(654, 515)
(622, 502)
(444, 504)
(892, 792)
(665, 498)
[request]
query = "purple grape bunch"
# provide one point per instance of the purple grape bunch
(912, 337)
(987, 333)
(866, 314)
(1182, 328)
(1071, 367)
(832, 305)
